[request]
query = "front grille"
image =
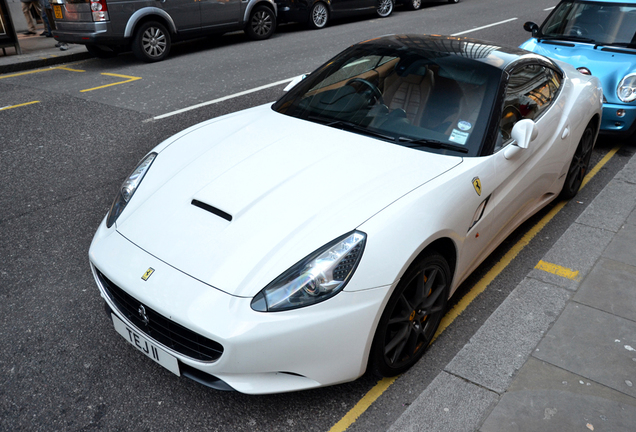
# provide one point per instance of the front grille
(160, 328)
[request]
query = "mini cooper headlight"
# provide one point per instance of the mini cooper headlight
(315, 278)
(128, 188)
(626, 90)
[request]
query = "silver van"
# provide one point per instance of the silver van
(148, 27)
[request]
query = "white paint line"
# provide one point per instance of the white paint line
(550, 8)
(483, 27)
(224, 98)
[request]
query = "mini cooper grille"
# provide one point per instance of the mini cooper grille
(160, 328)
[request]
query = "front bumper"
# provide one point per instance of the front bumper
(612, 124)
(320, 345)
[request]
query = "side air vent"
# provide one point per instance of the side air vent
(213, 210)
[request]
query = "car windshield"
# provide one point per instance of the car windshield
(411, 96)
(599, 23)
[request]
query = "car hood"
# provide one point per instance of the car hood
(236, 201)
(609, 66)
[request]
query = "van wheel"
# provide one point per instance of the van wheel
(100, 52)
(261, 24)
(151, 42)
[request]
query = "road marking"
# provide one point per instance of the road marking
(363, 405)
(224, 98)
(40, 70)
(129, 79)
(550, 8)
(19, 105)
(558, 270)
(484, 27)
(477, 289)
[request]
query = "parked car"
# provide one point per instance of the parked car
(297, 244)
(599, 38)
(149, 27)
(317, 13)
(416, 4)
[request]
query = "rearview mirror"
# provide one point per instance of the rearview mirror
(524, 132)
(531, 27)
(295, 81)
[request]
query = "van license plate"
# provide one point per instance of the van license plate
(57, 9)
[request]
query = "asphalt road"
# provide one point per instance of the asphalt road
(62, 365)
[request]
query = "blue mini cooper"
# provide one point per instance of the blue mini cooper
(598, 38)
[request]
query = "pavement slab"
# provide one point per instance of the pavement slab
(578, 249)
(449, 403)
(547, 398)
(595, 345)
(623, 246)
(610, 287)
(507, 338)
(610, 209)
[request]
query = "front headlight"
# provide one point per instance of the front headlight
(128, 188)
(315, 278)
(626, 90)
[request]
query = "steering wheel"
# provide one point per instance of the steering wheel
(376, 92)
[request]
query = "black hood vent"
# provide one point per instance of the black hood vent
(213, 210)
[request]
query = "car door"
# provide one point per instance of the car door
(219, 12)
(524, 176)
(185, 14)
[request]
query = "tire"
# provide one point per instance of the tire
(580, 163)
(100, 52)
(413, 4)
(385, 8)
(411, 317)
(261, 24)
(318, 16)
(151, 42)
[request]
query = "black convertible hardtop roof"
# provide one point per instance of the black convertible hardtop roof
(442, 46)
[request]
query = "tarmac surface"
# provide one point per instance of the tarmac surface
(559, 354)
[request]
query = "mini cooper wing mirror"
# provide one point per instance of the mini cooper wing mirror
(531, 27)
(295, 81)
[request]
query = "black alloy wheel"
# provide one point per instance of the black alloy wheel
(318, 16)
(151, 42)
(411, 316)
(385, 7)
(580, 163)
(261, 24)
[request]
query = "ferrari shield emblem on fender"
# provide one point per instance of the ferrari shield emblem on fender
(148, 273)
(477, 185)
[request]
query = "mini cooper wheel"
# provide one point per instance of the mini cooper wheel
(411, 316)
(151, 42)
(580, 163)
(261, 24)
(385, 7)
(318, 16)
(413, 4)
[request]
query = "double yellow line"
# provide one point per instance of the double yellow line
(382, 385)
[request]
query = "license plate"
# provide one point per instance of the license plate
(145, 346)
(57, 10)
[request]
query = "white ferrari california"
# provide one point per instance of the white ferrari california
(299, 244)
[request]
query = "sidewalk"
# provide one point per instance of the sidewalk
(39, 51)
(559, 354)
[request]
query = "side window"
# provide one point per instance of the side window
(531, 89)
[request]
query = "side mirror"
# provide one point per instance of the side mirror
(524, 132)
(295, 81)
(529, 26)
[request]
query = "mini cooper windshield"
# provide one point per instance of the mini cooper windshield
(430, 97)
(599, 23)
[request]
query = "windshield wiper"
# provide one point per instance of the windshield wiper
(431, 143)
(568, 38)
(350, 127)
